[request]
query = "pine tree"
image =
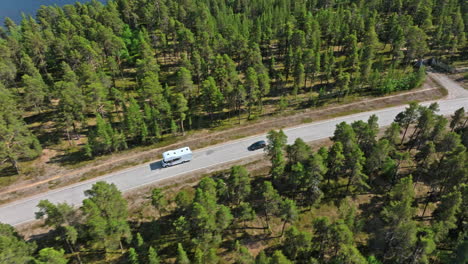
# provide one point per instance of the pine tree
(174, 127)
(328, 65)
(262, 258)
(183, 200)
(348, 213)
(373, 260)
(270, 202)
(105, 212)
(424, 246)
(392, 133)
(279, 258)
(134, 120)
(315, 65)
(238, 99)
(449, 171)
(335, 162)
(299, 76)
(198, 258)
(72, 103)
(426, 121)
(132, 256)
(416, 44)
(138, 242)
(184, 83)
(181, 227)
(16, 141)
(315, 172)
(8, 69)
(345, 134)
(296, 242)
(352, 56)
(407, 118)
(181, 108)
(444, 216)
(239, 187)
(370, 46)
(399, 234)
(14, 249)
(397, 39)
(458, 119)
(263, 87)
(223, 218)
(378, 157)
(62, 217)
(275, 150)
(245, 212)
(100, 139)
(295, 178)
(461, 255)
(243, 255)
(196, 63)
(252, 88)
(211, 257)
(158, 200)
(181, 255)
(343, 82)
(355, 161)
(288, 213)
(298, 152)
(52, 256)
(212, 96)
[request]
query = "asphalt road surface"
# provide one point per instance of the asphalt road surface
(22, 211)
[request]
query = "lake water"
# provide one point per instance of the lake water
(14, 8)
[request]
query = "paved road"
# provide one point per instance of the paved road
(22, 211)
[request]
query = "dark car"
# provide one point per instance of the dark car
(257, 145)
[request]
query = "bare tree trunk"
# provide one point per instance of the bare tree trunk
(182, 126)
(267, 220)
(425, 207)
(282, 229)
(305, 82)
(348, 185)
(404, 134)
(14, 163)
(69, 138)
(73, 251)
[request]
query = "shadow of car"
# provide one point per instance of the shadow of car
(257, 145)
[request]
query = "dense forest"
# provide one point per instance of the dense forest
(398, 198)
(134, 72)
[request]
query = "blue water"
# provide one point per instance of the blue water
(14, 8)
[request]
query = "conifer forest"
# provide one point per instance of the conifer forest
(100, 78)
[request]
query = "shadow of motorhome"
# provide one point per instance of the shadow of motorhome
(156, 165)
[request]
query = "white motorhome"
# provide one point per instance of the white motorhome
(178, 156)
